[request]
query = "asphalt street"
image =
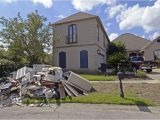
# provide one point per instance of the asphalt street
(81, 111)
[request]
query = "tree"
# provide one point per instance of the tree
(117, 53)
(28, 40)
(6, 65)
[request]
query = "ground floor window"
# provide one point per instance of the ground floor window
(83, 59)
(62, 59)
(157, 54)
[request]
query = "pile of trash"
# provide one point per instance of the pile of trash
(41, 81)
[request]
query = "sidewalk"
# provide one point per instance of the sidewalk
(82, 111)
(129, 81)
(155, 75)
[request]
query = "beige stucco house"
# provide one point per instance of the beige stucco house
(133, 43)
(136, 46)
(80, 42)
(152, 50)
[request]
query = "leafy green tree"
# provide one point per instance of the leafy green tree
(6, 65)
(117, 53)
(29, 40)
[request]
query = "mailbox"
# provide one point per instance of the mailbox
(120, 75)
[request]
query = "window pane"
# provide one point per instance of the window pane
(74, 29)
(104, 44)
(72, 33)
(157, 54)
(74, 37)
(62, 59)
(83, 59)
(97, 33)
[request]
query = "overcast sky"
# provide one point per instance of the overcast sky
(140, 17)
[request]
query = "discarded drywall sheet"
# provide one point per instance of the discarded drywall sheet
(22, 72)
(79, 81)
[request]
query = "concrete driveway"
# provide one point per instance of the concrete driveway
(81, 111)
(155, 75)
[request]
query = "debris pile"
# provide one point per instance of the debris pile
(41, 81)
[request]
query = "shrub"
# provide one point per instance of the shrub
(117, 53)
(158, 63)
(141, 74)
(6, 66)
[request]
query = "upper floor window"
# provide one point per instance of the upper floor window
(72, 34)
(97, 33)
(104, 43)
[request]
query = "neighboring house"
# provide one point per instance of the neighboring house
(81, 42)
(133, 43)
(136, 46)
(152, 50)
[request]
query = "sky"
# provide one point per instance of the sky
(139, 17)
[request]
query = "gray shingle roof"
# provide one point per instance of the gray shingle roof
(74, 17)
(158, 38)
(132, 42)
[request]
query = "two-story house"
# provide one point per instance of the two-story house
(81, 42)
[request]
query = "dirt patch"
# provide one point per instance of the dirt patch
(149, 91)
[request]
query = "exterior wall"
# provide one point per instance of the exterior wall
(86, 30)
(103, 42)
(101, 56)
(73, 57)
(86, 33)
(86, 40)
(149, 50)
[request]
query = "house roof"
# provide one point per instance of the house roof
(75, 17)
(158, 38)
(132, 42)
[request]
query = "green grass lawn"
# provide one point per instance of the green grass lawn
(99, 77)
(100, 98)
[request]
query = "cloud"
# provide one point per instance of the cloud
(143, 36)
(8, 1)
(109, 24)
(45, 3)
(87, 5)
(154, 35)
(114, 10)
(147, 17)
(60, 16)
(113, 36)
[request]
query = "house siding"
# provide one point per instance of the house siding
(149, 50)
(85, 32)
(73, 57)
(86, 40)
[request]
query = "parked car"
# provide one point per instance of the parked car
(138, 62)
